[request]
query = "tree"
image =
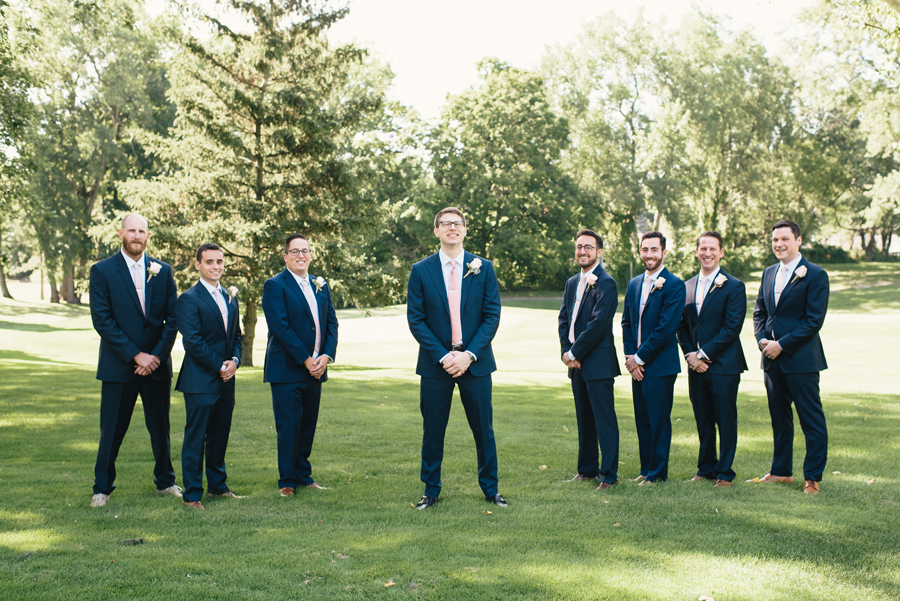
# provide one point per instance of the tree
(262, 147)
(496, 155)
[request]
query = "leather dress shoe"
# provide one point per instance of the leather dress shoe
(227, 493)
(583, 477)
(647, 483)
(316, 486)
(174, 490)
(699, 478)
(287, 491)
(772, 478)
(723, 483)
(640, 478)
(426, 502)
(497, 500)
(605, 485)
(811, 487)
(194, 504)
(99, 500)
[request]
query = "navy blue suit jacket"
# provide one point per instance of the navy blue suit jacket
(292, 331)
(659, 324)
(206, 345)
(796, 321)
(717, 329)
(594, 345)
(124, 330)
(428, 315)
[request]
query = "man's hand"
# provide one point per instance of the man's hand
(696, 363)
(770, 348)
(228, 373)
(146, 364)
(571, 363)
(316, 366)
(458, 363)
(636, 371)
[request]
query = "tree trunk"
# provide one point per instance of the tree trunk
(3, 289)
(249, 334)
(69, 286)
(54, 291)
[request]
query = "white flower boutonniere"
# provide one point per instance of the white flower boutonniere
(232, 291)
(719, 281)
(320, 283)
(474, 267)
(153, 270)
(799, 274)
(657, 284)
(591, 279)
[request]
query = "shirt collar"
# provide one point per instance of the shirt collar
(591, 270)
(793, 264)
(298, 279)
(655, 274)
(129, 261)
(459, 258)
(210, 287)
(712, 276)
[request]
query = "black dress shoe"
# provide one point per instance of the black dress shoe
(426, 502)
(497, 500)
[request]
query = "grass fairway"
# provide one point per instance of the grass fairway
(362, 539)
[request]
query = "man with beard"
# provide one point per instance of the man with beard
(586, 337)
(654, 302)
(133, 310)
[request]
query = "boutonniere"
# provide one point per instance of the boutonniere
(232, 291)
(591, 279)
(474, 267)
(153, 270)
(799, 273)
(320, 283)
(719, 281)
(657, 284)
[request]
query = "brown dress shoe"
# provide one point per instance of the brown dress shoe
(697, 478)
(723, 483)
(640, 478)
(605, 485)
(225, 494)
(582, 477)
(647, 483)
(316, 486)
(287, 491)
(773, 478)
(811, 487)
(194, 504)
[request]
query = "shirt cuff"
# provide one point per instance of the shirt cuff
(236, 361)
(702, 355)
(570, 355)
(444, 357)
(638, 360)
(471, 354)
(330, 359)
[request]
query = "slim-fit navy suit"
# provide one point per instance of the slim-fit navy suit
(208, 401)
(295, 393)
(124, 332)
(428, 315)
(716, 330)
(793, 376)
(659, 352)
(592, 384)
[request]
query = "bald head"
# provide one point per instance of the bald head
(134, 234)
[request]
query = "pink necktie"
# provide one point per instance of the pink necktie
(219, 295)
(139, 286)
(780, 282)
(579, 294)
(311, 299)
(701, 294)
(453, 298)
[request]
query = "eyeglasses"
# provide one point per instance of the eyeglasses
(299, 251)
(449, 224)
(585, 247)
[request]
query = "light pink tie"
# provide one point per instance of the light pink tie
(780, 282)
(313, 307)
(579, 294)
(139, 286)
(219, 295)
(454, 296)
(701, 294)
(645, 294)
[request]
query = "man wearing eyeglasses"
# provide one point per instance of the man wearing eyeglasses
(303, 331)
(453, 310)
(586, 337)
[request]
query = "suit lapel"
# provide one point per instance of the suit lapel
(466, 281)
(437, 275)
(207, 297)
(148, 284)
(712, 289)
(768, 284)
(691, 291)
(291, 284)
(128, 281)
(792, 283)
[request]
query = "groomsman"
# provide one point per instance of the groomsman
(586, 338)
(714, 313)
(207, 318)
(133, 310)
(453, 310)
(654, 302)
(790, 310)
(303, 336)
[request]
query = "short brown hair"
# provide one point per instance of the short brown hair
(795, 229)
(205, 247)
(593, 234)
(662, 239)
(711, 234)
(454, 210)
(291, 238)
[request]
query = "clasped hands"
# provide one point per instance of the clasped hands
(770, 348)
(636, 370)
(696, 364)
(457, 364)
(571, 363)
(145, 363)
(316, 366)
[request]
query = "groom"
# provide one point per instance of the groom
(453, 310)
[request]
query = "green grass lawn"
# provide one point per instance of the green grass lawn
(362, 539)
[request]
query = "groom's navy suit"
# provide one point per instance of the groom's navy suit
(295, 393)
(125, 332)
(428, 315)
(208, 401)
(592, 384)
(716, 330)
(793, 376)
(658, 350)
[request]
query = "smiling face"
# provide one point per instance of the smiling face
(785, 246)
(134, 234)
(451, 231)
(211, 266)
(709, 254)
(586, 251)
(298, 257)
(652, 254)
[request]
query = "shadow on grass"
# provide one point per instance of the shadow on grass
(36, 327)
(17, 308)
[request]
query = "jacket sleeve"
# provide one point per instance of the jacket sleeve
(735, 313)
(331, 326)
(276, 312)
(416, 317)
(190, 324)
(237, 348)
(817, 289)
(104, 321)
(163, 347)
(600, 323)
(760, 314)
(627, 335)
(490, 310)
(669, 317)
(563, 321)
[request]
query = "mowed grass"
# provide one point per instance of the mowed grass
(362, 539)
